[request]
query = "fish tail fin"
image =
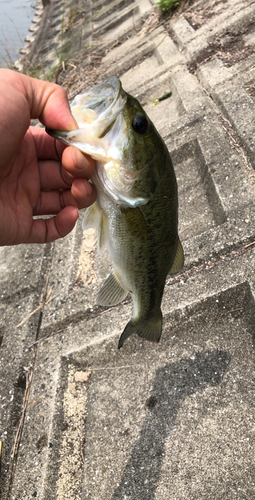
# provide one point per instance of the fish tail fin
(149, 329)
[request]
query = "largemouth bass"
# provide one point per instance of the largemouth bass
(136, 212)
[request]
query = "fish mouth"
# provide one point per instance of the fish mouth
(101, 98)
(102, 134)
(95, 111)
(100, 106)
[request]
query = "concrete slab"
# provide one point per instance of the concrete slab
(129, 63)
(16, 368)
(168, 421)
(233, 17)
(129, 18)
(173, 419)
(233, 98)
(18, 276)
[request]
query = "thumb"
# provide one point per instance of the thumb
(49, 103)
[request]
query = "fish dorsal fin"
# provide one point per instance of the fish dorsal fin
(179, 259)
(112, 292)
(92, 217)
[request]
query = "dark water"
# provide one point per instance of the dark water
(15, 20)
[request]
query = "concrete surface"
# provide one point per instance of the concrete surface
(82, 420)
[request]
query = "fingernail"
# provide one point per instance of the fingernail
(89, 187)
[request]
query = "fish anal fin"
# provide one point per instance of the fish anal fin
(149, 329)
(179, 259)
(112, 292)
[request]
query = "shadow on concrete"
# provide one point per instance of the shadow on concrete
(173, 383)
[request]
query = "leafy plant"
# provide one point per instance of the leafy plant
(165, 5)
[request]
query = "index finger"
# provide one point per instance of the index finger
(75, 163)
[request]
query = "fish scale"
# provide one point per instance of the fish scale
(136, 211)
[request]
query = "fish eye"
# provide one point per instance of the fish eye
(140, 124)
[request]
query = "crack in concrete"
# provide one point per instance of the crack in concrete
(228, 128)
(29, 376)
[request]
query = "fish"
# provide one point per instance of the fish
(136, 211)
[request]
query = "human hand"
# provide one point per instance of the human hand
(38, 175)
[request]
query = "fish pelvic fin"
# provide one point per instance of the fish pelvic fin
(178, 260)
(148, 329)
(112, 292)
(102, 234)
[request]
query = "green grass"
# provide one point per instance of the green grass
(165, 5)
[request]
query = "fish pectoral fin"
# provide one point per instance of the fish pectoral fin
(179, 259)
(135, 222)
(149, 329)
(95, 217)
(92, 217)
(112, 292)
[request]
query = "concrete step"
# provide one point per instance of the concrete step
(81, 419)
